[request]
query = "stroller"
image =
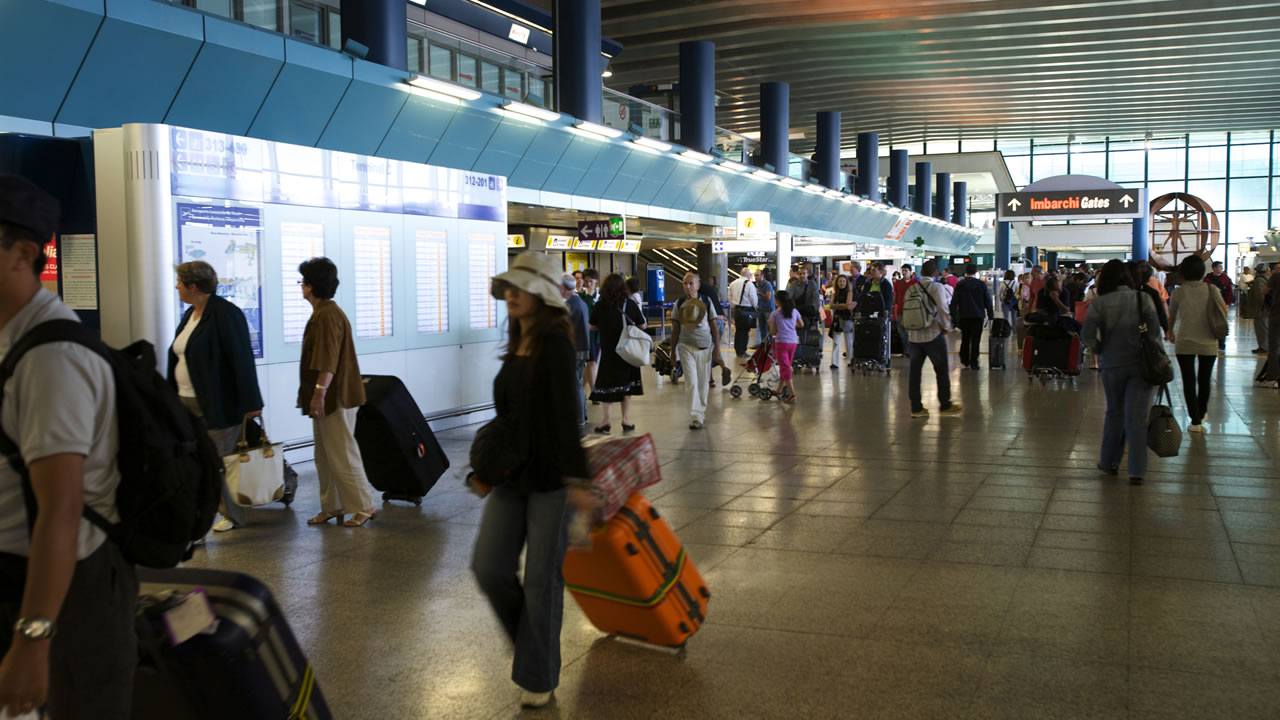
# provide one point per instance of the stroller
(765, 367)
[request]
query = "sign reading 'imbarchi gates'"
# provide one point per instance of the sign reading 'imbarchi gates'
(1071, 204)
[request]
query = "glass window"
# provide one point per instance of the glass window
(1156, 189)
(1167, 142)
(1046, 166)
(1014, 147)
(512, 83)
(304, 21)
(537, 91)
(1219, 138)
(1246, 227)
(1249, 194)
(941, 147)
(261, 13)
(1118, 145)
(1213, 192)
(1166, 164)
(1250, 136)
(335, 31)
(1250, 160)
(1128, 166)
(490, 78)
(441, 59)
(467, 72)
(1093, 163)
(1207, 162)
(967, 145)
(1020, 169)
(911, 148)
(415, 54)
(215, 7)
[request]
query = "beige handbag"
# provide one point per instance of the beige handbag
(255, 476)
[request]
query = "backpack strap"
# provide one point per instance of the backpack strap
(50, 331)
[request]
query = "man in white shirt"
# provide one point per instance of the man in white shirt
(66, 591)
(696, 340)
(931, 342)
(744, 305)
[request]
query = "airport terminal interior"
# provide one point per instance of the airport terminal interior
(863, 559)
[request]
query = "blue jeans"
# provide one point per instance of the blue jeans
(582, 398)
(531, 614)
(936, 351)
(762, 326)
(1128, 402)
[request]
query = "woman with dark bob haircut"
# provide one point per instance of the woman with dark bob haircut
(1112, 327)
(330, 392)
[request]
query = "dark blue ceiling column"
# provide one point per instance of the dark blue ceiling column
(1051, 258)
(1141, 237)
(1004, 243)
(578, 63)
(380, 26)
(698, 95)
(942, 198)
(1031, 255)
(829, 149)
(960, 203)
(775, 125)
(868, 166)
(923, 204)
(899, 162)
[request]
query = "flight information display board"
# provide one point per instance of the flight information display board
(431, 264)
(228, 239)
(372, 257)
(480, 271)
(298, 242)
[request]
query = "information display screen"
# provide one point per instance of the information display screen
(480, 271)
(374, 318)
(431, 262)
(229, 239)
(298, 242)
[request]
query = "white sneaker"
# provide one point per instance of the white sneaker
(224, 525)
(1196, 429)
(533, 699)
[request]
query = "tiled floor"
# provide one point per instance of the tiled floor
(862, 565)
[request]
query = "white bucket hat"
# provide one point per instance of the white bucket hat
(535, 273)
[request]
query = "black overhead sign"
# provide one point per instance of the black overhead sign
(1071, 204)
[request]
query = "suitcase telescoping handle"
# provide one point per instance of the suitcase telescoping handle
(644, 534)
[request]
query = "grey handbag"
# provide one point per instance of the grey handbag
(1164, 435)
(1217, 319)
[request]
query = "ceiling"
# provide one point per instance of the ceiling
(941, 69)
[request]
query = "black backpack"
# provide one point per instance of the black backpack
(170, 472)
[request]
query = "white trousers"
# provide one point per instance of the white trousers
(343, 484)
(697, 376)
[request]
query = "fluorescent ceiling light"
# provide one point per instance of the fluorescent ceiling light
(518, 32)
(652, 144)
(731, 166)
(457, 91)
(432, 94)
(815, 188)
(531, 111)
(764, 175)
(835, 193)
(695, 155)
(601, 130)
(418, 2)
(755, 135)
(607, 73)
(641, 146)
(686, 159)
(790, 181)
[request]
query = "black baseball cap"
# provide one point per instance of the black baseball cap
(24, 204)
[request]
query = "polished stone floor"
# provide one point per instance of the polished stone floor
(862, 564)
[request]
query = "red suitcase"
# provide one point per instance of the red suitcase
(636, 580)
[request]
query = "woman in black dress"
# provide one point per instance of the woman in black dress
(617, 380)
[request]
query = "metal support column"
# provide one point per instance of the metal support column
(775, 125)
(1004, 243)
(960, 204)
(923, 204)
(1031, 255)
(380, 26)
(698, 95)
(942, 199)
(1141, 237)
(868, 166)
(1051, 259)
(899, 164)
(576, 47)
(828, 151)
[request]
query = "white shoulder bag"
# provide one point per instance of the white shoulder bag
(255, 476)
(634, 344)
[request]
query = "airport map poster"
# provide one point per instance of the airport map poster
(229, 239)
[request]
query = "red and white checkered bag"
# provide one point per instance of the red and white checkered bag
(620, 467)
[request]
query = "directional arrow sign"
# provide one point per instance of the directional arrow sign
(1071, 204)
(611, 229)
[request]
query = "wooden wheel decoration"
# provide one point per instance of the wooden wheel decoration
(1181, 225)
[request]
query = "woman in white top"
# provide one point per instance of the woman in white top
(1193, 336)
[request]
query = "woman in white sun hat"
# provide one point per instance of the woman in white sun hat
(535, 393)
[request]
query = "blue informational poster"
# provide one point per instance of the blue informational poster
(229, 239)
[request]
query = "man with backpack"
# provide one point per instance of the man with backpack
(927, 320)
(68, 593)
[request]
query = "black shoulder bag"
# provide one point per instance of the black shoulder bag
(1156, 368)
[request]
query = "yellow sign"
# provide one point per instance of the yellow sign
(559, 242)
(515, 241)
(631, 246)
(753, 224)
(575, 261)
(580, 244)
(609, 245)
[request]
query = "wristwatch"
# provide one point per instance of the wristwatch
(35, 628)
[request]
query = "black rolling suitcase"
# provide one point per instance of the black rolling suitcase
(996, 351)
(871, 340)
(895, 339)
(247, 664)
(401, 456)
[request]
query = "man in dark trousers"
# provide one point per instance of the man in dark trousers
(970, 307)
(1222, 281)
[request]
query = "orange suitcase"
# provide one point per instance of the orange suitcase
(636, 580)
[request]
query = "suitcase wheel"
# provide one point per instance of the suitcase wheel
(684, 628)
(632, 549)
(653, 512)
(705, 593)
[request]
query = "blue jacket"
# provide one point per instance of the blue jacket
(220, 361)
(971, 300)
(578, 321)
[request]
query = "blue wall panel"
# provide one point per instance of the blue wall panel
(675, 191)
(654, 179)
(716, 191)
(26, 26)
(465, 138)
(235, 61)
(367, 109)
(540, 159)
(417, 129)
(303, 98)
(602, 172)
(506, 147)
(573, 164)
(135, 67)
(629, 174)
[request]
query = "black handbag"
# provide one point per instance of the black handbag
(496, 454)
(1156, 367)
(1164, 436)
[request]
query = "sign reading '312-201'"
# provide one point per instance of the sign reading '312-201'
(1071, 204)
